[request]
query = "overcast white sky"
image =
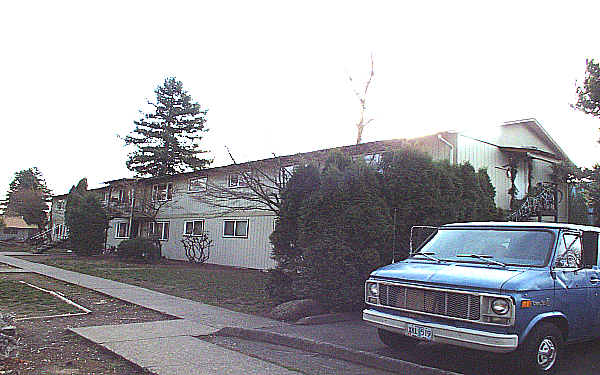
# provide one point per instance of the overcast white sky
(274, 75)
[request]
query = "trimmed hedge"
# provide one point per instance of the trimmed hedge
(140, 248)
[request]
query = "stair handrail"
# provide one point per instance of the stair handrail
(533, 205)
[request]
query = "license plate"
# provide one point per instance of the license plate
(419, 332)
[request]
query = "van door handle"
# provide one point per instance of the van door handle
(594, 279)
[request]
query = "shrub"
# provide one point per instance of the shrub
(279, 285)
(86, 219)
(335, 226)
(344, 232)
(140, 248)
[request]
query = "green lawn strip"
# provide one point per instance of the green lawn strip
(23, 301)
(239, 290)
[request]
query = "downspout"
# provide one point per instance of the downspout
(449, 145)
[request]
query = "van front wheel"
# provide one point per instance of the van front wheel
(542, 349)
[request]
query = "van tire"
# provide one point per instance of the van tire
(396, 340)
(542, 350)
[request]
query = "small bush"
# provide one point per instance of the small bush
(139, 248)
(279, 285)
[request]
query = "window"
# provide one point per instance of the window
(235, 228)
(159, 229)
(162, 192)
(122, 230)
(198, 184)
(60, 204)
(235, 180)
(286, 173)
(124, 196)
(372, 158)
(193, 228)
(11, 231)
(568, 253)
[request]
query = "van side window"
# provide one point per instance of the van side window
(569, 251)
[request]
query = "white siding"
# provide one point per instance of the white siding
(111, 239)
(251, 252)
(483, 155)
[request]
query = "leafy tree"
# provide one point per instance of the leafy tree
(86, 219)
(588, 93)
(166, 141)
(28, 196)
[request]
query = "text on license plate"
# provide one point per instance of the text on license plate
(423, 333)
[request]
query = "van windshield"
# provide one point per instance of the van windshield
(512, 247)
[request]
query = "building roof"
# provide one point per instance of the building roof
(380, 146)
(16, 222)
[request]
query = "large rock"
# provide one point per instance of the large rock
(294, 310)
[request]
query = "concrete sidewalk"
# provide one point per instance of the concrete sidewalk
(170, 347)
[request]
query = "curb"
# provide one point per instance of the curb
(332, 350)
(327, 318)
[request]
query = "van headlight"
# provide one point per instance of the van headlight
(500, 306)
(372, 293)
(373, 290)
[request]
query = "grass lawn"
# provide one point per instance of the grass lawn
(236, 289)
(24, 301)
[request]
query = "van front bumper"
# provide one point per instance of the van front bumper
(468, 338)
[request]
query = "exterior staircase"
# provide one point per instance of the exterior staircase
(542, 202)
(44, 241)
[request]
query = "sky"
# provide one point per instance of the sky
(274, 75)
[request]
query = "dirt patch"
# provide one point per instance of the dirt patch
(47, 347)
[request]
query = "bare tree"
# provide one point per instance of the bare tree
(258, 187)
(362, 98)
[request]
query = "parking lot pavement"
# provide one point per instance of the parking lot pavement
(355, 334)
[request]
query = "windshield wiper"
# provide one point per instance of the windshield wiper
(428, 255)
(483, 257)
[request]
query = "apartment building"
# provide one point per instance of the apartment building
(208, 201)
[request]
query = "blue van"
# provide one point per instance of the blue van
(520, 287)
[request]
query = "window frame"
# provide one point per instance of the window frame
(559, 257)
(203, 184)
(168, 192)
(162, 224)
(193, 222)
(239, 181)
(235, 221)
(60, 204)
(126, 229)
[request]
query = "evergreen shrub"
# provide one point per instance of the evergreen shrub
(86, 220)
(140, 248)
(336, 223)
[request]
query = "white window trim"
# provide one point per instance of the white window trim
(117, 229)
(159, 222)
(234, 227)
(166, 192)
(192, 221)
(202, 188)
(240, 182)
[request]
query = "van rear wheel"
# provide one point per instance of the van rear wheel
(396, 340)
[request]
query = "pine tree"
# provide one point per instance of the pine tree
(167, 140)
(28, 196)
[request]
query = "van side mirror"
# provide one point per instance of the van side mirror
(590, 249)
